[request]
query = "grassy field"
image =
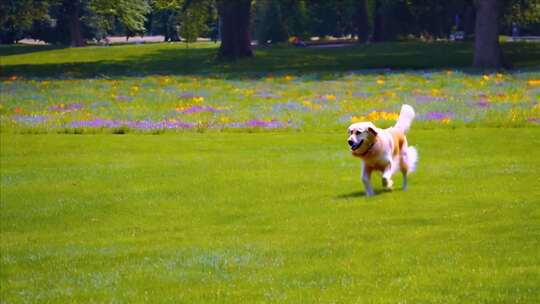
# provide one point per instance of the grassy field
(267, 218)
(232, 182)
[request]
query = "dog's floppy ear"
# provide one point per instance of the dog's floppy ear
(372, 131)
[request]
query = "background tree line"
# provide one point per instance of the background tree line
(238, 22)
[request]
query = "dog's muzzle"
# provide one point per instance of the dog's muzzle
(353, 145)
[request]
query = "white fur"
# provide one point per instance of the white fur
(411, 157)
(406, 116)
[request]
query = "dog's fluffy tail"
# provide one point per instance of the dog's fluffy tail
(405, 119)
(411, 157)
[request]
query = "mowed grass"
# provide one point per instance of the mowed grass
(230, 218)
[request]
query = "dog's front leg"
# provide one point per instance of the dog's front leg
(366, 179)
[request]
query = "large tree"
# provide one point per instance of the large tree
(361, 21)
(234, 19)
(71, 11)
(487, 51)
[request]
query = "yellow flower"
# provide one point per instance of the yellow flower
(374, 116)
(198, 99)
(390, 94)
(357, 119)
(446, 120)
(288, 78)
(311, 105)
(330, 97)
(135, 89)
(380, 81)
(534, 82)
(485, 77)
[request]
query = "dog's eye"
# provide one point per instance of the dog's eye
(357, 132)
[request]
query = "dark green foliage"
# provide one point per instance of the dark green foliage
(270, 25)
(70, 21)
(18, 16)
(525, 14)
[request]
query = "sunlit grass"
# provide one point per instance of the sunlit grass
(267, 218)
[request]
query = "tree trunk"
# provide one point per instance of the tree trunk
(487, 51)
(74, 22)
(378, 23)
(468, 19)
(361, 21)
(235, 38)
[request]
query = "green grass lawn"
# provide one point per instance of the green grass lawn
(222, 217)
(248, 194)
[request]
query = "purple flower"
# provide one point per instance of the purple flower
(197, 109)
(438, 115)
(139, 125)
(99, 104)
(535, 120)
(360, 94)
(257, 123)
(428, 98)
(66, 107)
(95, 123)
(124, 98)
(287, 106)
(266, 95)
(29, 119)
(482, 103)
(187, 95)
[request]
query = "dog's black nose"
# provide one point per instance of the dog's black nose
(350, 142)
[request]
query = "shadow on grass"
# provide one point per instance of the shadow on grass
(20, 49)
(373, 58)
(357, 194)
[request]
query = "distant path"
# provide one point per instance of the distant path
(323, 46)
(116, 40)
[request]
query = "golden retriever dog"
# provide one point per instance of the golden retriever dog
(384, 150)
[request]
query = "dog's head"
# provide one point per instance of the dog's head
(362, 136)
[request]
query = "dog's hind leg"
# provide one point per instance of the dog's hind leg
(404, 180)
(387, 182)
(366, 179)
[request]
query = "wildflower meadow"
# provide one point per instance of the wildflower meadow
(150, 173)
(302, 102)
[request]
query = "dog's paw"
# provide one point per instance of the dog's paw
(387, 183)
